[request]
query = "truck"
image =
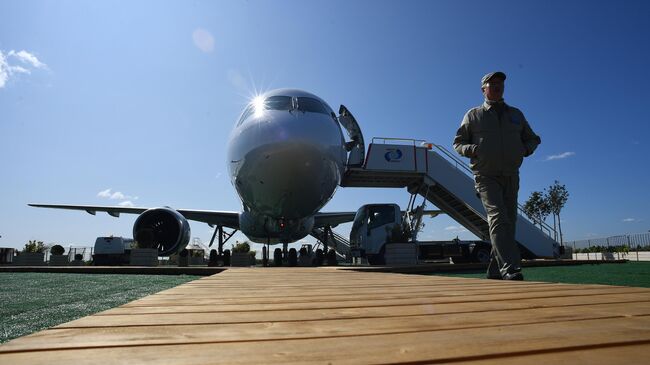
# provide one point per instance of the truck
(376, 225)
(112, 251)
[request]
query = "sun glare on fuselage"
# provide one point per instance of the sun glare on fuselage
(258, 105)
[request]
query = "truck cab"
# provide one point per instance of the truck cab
(374, 225)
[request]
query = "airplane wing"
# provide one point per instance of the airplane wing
(211, 217)
(332, 219)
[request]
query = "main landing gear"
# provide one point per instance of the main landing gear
(220, 254)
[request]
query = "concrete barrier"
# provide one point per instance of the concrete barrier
(401, 254)
(59, 260)
(240, 259)
(30, 259)
(144, 257)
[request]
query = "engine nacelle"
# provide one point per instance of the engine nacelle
(162, 228)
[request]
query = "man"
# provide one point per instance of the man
(496, 137)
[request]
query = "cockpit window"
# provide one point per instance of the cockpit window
(278, 103)
(311, 105)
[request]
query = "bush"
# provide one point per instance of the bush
(34, 246)
(57, 250)
(599, 249)
(241, 247)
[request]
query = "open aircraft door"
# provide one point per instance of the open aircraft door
(356, 147)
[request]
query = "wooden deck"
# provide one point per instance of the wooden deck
(324, 315)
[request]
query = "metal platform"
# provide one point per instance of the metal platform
(326, 315)
(444, 180)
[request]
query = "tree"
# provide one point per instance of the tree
(536, 208)
(34, 246)
(557, 196)
(57, 250)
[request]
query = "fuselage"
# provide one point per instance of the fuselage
(286, 156)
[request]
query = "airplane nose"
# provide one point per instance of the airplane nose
(292, 171)
(289, 180)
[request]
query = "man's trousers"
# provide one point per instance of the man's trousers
(499, 197)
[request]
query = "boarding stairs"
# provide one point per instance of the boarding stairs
(334, 240)
(443, 179)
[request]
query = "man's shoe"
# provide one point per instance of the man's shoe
(494, 277)
(514, 276)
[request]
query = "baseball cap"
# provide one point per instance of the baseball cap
(489, 76)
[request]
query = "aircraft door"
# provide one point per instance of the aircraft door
(356, 147)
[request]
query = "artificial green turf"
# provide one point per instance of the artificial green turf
(30, 302)
(626, 274)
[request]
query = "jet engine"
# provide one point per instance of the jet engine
(162, 228)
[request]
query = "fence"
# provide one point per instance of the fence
(635, 247)
(71, 251)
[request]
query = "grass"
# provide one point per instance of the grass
(35, 301)
(627, 274)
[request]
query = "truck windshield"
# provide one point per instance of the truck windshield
(380, 215)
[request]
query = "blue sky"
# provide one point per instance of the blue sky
(139, 98)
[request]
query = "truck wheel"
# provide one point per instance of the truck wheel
(293, 257)
(331, 258)
(378, 258)
(277, 257)
(481, 254)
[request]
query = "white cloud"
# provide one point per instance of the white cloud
(629, 220)
(105, 193)
(126, 203)
(28, 58)
(4, 70)
(7, 69)
(203, 40)
(560, 156)
(19, 69)
(456, 229)
(117, 195)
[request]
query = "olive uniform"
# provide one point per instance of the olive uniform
(496, 137)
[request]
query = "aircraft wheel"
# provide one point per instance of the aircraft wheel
(319, 257)
(226, 258)
(277, 257)
(293, 257)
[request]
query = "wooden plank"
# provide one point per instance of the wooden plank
(430, 347)
(350, 324)
(627, 354)
(521, 302)
(306, 314)
(434, 297)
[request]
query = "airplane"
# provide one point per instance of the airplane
(286, 156)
